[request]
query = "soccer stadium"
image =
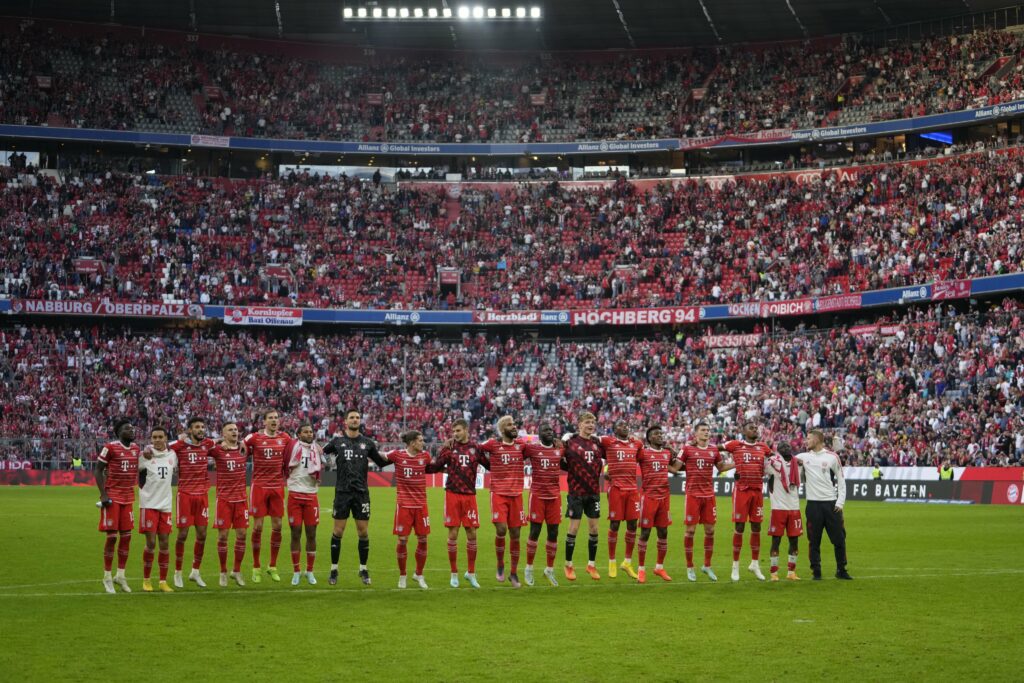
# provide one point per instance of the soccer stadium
(573, 339)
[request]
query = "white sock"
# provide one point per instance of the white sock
(120, 573)
(641, 568)
(659, 566)
(530, 567)
(334, 567)
(628, 560)
(106, 575)
(792, 558)
(362, 567)
(591, 564)
(736, 564)
(568, 563)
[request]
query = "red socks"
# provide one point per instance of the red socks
(755, 545)
(551, 547)
(513, 551)
(641, 556)
(179, 554)
(147, 563)
(630, 543)
(709, 548)
(310, 560)
(421, 554)
(198, 549)
(499, 550)
(613, 542)
(402, 553)
(662, 550)
(453, 555)
(688, 547)
(164, 560)
(275, 546)
(737, 545)
(239, 552)
(108, 551)
(531, 551)
(296, 554)
(471, 556)
(222, 554)
(257, 544)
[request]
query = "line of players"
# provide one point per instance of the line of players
(279, 460)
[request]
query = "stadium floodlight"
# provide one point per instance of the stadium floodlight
(478, 12)
(506, 13)
(463, 12)
(403, 13)
(392, 13)
(535, 12)
(347, 13)
(446, 13)
(361, 13)
(520, 12)
(378, 13)
(417, 12)
(492, 13)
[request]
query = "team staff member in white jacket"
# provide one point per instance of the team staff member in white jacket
(826, 496)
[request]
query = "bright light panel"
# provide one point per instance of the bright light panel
(377, 12)
(491, 13)
(506, 13)
(347, 12)
(418, 12)
(521, 12)
(478, 12)
(361, 12)
(403, 13)
(392, 13)
(446, 13)
(535, 12)
(463, 12)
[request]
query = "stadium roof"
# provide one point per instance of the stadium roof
(566, 25)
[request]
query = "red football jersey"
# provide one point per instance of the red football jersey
(410, 477)
(749, 459)
(506, 460)
(460, 462)
(267, 458)
(621, 458)
(700, 468)
(654, 464)
(230, 466)
(546, 465)
(122, 470)
(193, 461)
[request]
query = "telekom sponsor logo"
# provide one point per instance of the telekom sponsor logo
(771, 309)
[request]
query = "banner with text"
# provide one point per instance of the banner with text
(266, 316)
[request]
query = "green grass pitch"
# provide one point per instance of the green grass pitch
(937, 595)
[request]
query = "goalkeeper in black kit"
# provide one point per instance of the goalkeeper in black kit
(349, 453)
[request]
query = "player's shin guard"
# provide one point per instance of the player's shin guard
(197, 553)
(421, 554)
(570, 546)
(179, 554)
(275, 546)
(499, 550)
(453, 555)
(222, 554)
(592, 547)
(147, 563)
(551, 547)
(310, 560)
(613, 543)
(335, 550)
(662, 550)
(630, 543)
(402, 554)
(791, 565)
(239, 552)
(123, 547)
(513, 553)
(163, 559)
(109, 547)
(737, 545)
(774, 564)
(755, 545)
(688, 548)
(257, 546)
(471, 557)
(709, 548)
(531, 551)
(364, 551)
(641, 553)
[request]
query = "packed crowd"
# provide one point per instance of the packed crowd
(121, 84)
(931, 386)
(340, 242)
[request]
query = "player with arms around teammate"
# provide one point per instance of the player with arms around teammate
(460, 458)
(193, 452)
(623, 498)
(232, 506)
(545, 499)
(700, 460)
(266, 495)
(117, 469)
(749, 454)
(583, 460)
(156, 470)
(411, 513)
(349, 454)
(655, 463)
(303, 462)
(784, 490)
(505, 460)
